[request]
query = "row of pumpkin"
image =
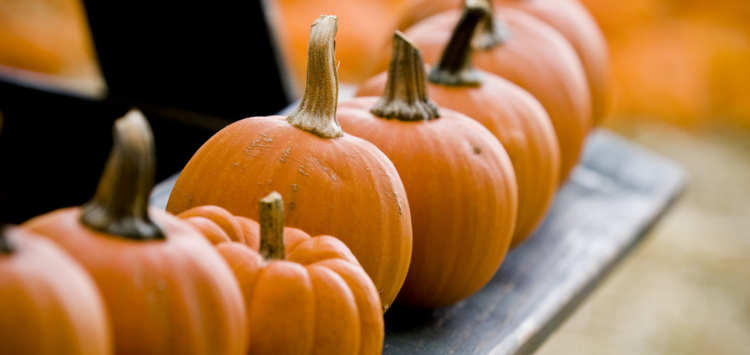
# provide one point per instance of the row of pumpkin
(432, 183)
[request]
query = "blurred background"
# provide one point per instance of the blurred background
(681, 88)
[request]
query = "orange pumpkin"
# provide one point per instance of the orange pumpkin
(459, 181)
(302, 295)
(336, 184)
(418, 10)
(166, 289)
(48, 36)
(515, 117)
(574, 22)
(532, 55)
(50, 305)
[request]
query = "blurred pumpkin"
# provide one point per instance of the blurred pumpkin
(422, 9)
(302, 294)
(459, 182)
(573, 21)
(367, 28)
(682, 62)
(50, 304)
(166, 289)
(336, 184)
(47, 36)
(531, 54)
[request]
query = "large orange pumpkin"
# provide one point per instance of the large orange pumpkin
(50, 305)
(336, 184)
(459, 181)
(574, 22)
(515, 117)
(303, 295)
(531, 54)
(167, 291)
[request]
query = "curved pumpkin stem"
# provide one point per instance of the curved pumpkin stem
(491, 32)
(405, 97)
(120, 205)
(317, 111)
(271, 210)
(454, 67)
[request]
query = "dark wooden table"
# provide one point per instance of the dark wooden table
(613, 198)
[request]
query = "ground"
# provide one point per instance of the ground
(686, 289)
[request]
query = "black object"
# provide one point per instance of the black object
(192, 69)
(215, 59)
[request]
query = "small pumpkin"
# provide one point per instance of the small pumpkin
(303, 294)
(336, 184)
(531, 54)
(515, 117)
(50, 304)
(165, 288)
(579, 27)
(459, 182)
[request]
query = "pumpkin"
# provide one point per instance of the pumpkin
(574, 22)
(515, 117)
(368, 24)
(50, 305)
(459, 182)
(48, 36)
(165, 288)
(302, 295)
(418, 10)
(336, 184)
(531, 54)
(680, 62)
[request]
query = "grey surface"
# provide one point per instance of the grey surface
(611, 200)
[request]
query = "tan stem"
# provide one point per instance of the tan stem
(405, 97)
(491, 32)
(271, 210)
(317, 111)
(120, 205)
(454, 67)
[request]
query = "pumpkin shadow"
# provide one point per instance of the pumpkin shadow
(400, 319)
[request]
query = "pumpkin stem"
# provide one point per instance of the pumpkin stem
(454, 67)
(490, 32)
(120, 205)
(317, 111)
(271, 210)
(405, 97)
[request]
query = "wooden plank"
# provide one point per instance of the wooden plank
(613, 197)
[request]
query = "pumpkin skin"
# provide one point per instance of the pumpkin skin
(463, 196)
(521, 125)
(535, 57)
(154, 308)
(50, 305)
(421, 9)
(513, 116)
(167, 291)
(579, 27)
(318, 300)
(335, 184)
(343, 186)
